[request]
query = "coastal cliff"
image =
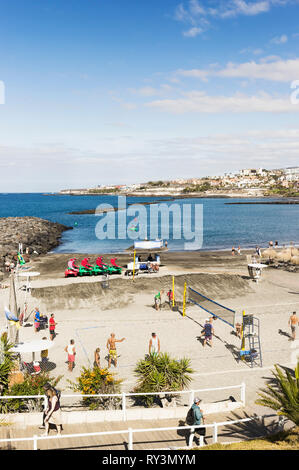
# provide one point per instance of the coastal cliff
(38, 236)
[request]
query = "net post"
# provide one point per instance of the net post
(184, 299)
(242, 335)
(173, 291)
(134, 264)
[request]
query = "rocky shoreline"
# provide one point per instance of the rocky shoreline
(37, 236)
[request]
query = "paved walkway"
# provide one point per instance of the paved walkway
(142, 441)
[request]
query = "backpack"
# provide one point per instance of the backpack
(58, 393)
(190, 417)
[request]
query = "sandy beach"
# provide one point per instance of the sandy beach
(88, 314)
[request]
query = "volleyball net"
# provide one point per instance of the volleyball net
(214, 308)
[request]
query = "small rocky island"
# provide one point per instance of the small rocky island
(37, 236)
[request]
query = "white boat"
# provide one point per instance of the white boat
(148, 244)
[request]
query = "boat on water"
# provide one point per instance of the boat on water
(148, 244)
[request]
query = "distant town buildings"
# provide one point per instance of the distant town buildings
(257, 181)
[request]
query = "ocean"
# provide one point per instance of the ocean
(224, 225)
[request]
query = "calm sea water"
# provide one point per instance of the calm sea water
(223, 225)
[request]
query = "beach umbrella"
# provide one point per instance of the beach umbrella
(13, 308)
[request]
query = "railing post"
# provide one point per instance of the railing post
(281, 423)
(124, 407)
(34, 442)
(215, 433)
(191, 437)
(130, 446)
(243, 393)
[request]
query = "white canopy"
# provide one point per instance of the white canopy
(28, 274)
(258, 265)
(32, 346)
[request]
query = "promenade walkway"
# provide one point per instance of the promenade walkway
(146, 440)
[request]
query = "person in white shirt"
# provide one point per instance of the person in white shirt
(154, 344)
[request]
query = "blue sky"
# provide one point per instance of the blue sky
(112, 91)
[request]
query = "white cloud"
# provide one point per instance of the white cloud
(280, 39)
(277, 70)
(199, 14)
(200, 102)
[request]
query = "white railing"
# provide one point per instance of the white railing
(131, 433)
(124, 396)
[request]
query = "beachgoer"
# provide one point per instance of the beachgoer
(71, 352)
(276, 244)
(208, 332)
(258, 251)
(166, 244)
(170, 297)
(112, 349)
(293, 323)
(158, 300)
(233, 251)
(46, 387)
(150, 258)
(271, 244)
(53, 415)
(44, 355)
(96, 362)
(239, 330)
(36, 320)
(52, 325)
(239, 250)
(198, 417)
(154, 344)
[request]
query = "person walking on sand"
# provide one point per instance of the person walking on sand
(96, 362)
(112, 349)
(208, 332)
(71, 352)
(154, 344)
(293, 323)
(158, 300)
(53, 415)
(44, 355)
(52, 325)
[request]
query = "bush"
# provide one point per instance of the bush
(161, 373)
(32, 385)
(94, 381)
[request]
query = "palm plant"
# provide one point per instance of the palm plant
(6, 362)
(161, 373)
(283, 396)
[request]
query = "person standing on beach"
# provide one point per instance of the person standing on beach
(71, 352)
(44, 355)
(52, 324)
(293, 323)
(154, 344)
(208, 332)
(36, 320)
(112, 349)
(96, 362)
(158, 300)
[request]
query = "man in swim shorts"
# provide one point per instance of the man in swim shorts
(208, 332)
(112, 349)
(293, 323)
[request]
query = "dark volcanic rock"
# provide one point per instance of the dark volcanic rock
(36, 235)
